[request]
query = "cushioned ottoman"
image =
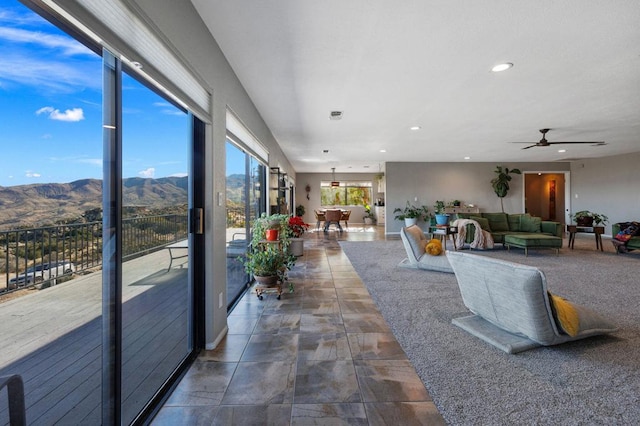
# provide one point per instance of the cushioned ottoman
(527, 241)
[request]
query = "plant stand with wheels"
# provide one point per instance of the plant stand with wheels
(271, 284)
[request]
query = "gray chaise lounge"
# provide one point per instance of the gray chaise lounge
(512, 307)
(414, 242)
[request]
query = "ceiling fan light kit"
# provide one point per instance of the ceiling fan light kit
(544, 142)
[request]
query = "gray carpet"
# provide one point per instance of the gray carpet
(592, 381)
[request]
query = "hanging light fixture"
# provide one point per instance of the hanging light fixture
(334, 182)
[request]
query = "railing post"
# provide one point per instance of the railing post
(15, 391)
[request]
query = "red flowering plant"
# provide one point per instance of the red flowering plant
(297, 226)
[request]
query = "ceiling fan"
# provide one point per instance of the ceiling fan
(545, 142)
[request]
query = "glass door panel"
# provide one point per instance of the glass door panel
(236, 196)
(156, 309)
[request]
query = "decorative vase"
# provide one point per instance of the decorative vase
(296, 246)
(442, 219)
(271, 234)
(408, 221)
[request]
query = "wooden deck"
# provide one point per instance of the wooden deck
(53, 339)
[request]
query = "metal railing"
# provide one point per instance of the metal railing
(41, 257)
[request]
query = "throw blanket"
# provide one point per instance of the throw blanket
(481, 239)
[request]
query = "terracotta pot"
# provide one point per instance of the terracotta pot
(271, 234)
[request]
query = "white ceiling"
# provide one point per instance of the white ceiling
(390, 65)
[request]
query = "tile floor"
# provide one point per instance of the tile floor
(320, 355)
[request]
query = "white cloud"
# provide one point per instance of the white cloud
(67, 45)
(48, 74)
(31, 174)
(148, 173)
(179, 175)
(75, 114)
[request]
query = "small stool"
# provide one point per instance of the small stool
(527, 241)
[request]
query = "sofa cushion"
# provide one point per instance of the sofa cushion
(564, 314)
(483, 222)
(497, 221)
(530, 223)
(514, 221)
(434, 247)
(416, 239)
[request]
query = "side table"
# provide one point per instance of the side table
(443, 232)
(596, 230)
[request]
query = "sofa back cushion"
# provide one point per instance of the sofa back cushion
(483, 222)
(514, 221)
(530, 223)
(414, 241)
(497, 221)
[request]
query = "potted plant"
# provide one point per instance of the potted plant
(442, 218)
(297, 227)
(300, 210)
(411, 214)
(500, 183)
(588, 218)
(368, 215)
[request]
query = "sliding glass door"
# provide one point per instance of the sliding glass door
(156, 309)
(245, 201)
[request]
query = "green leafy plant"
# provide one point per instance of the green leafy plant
(300, 210)
(500, 183)
(598, 218)
(368, 214)
(438, 207)
(411, 212)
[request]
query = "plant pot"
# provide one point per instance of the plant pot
(442, 219)
(585, 221)
(271, 234)
(408, 221)
(268, 280)
(368, 221)
(296, 246)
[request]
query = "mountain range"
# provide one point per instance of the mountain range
(44, 204)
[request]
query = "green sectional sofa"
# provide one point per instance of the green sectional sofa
(503, 224)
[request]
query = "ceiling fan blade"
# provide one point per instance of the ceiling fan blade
(530, 146)
(591, 142)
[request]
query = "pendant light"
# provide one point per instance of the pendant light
(334, 182)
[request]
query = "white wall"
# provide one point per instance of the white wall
(314, 179)
(179, 23)
(608, 186)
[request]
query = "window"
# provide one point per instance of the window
(347, 194)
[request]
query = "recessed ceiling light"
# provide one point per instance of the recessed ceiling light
(502, 67)
(383, 150)
(467, 158)
(562, 150)
(335, 115)
(415, 128)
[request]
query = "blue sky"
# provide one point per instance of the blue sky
(51, 106)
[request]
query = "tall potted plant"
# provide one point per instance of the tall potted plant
(500, 183)
(297, 227)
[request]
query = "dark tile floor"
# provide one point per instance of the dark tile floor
(320, 355)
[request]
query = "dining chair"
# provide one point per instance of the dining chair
(345, 217)
(320, 217)
(332, 216)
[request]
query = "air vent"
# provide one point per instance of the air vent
(335, 115)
